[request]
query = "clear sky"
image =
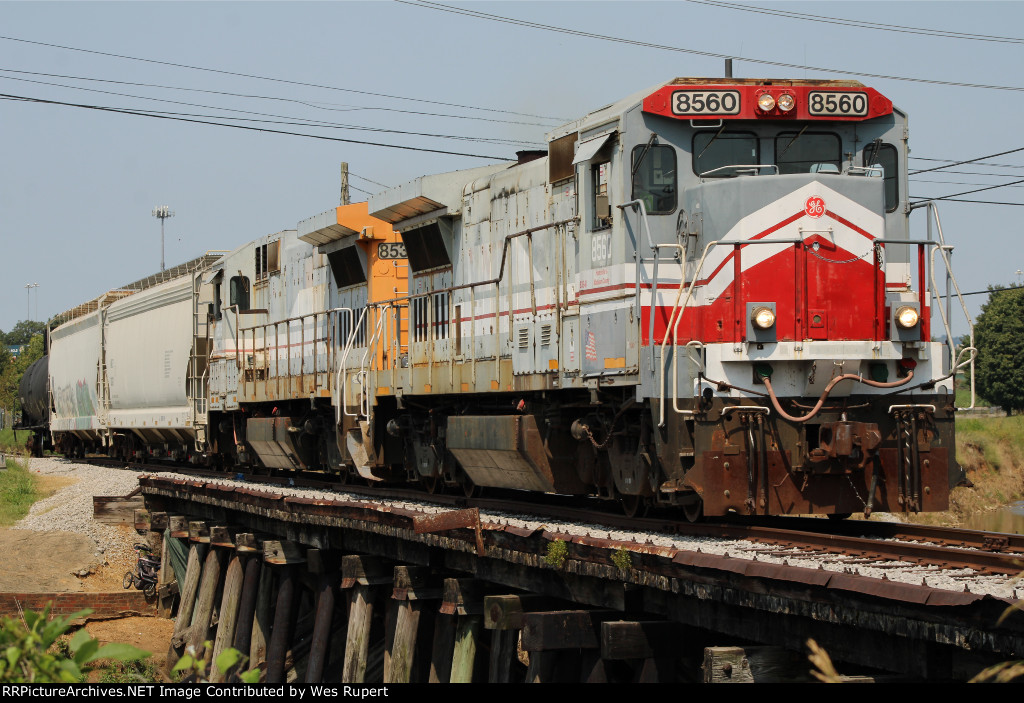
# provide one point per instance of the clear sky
(77, 186)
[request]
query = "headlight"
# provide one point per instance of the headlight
(786, 102)
(766, 102)
(763, 317)
(906, 317)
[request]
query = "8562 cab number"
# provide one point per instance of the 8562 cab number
(706, 102)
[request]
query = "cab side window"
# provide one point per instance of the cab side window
(886, 156)
(654, 178)
(239, 292)
(601, 215)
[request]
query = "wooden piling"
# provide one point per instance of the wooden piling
(228, 614)
(262, 619)
(281, 633)
(322, 627)
(467, 632)
(453, 654)
(364, 577)
(247, 604)
(412, 591)
(188, 598)
(202, 617)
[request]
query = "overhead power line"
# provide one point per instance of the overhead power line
(862, 24)
(138, 113)
(307, 103)
(968, 161)
(695, 52)
(948, 199)
(951, 162)
(285, 81)
(279, 119)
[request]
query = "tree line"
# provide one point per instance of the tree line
(29, 334)
(999, 338)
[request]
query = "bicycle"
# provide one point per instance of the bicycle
(146, 570)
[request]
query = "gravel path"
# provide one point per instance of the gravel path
(70, 508)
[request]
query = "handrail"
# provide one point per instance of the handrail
(673, 324)
(944, 249)
(754, 166)
(364, 403)
(341, 381)
(676, 317)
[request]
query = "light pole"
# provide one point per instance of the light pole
(28, 299)
(162, 212)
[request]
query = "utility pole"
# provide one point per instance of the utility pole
(162, 212)
(344, 183)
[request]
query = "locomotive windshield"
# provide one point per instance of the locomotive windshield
(713, 150)
(799, 152)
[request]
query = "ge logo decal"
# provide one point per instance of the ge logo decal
(814, 207)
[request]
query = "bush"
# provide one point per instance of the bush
(30, 654)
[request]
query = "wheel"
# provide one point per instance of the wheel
(432, 484)
(694, 510)
(128, 579)
(150, 589)
(633, 506)
(470, 489)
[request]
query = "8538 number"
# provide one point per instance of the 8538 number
(391, 250)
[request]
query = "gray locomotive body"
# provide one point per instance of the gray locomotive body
(704, 295)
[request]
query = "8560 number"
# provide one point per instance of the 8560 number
(706, 102)
(845, 104)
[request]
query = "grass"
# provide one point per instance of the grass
(8, 442)
(132, 671)
(991, 449)
(17, 492)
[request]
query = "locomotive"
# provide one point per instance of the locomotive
(702, 296)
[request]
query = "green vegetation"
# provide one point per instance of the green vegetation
(23, 332)
(192, 668)
(11, 443)
(557, 553)
(32, 652)
(991, 449)
(17, 492)
(622, 559)
(963, 393)
(130, 671)
(999, 337)
(11, 372)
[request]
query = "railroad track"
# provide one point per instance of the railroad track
(855, 544)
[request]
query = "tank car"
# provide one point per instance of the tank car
(34, 402)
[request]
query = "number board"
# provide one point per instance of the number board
(846, 104)
(839, 103)
(391, 250)
(706, 102)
